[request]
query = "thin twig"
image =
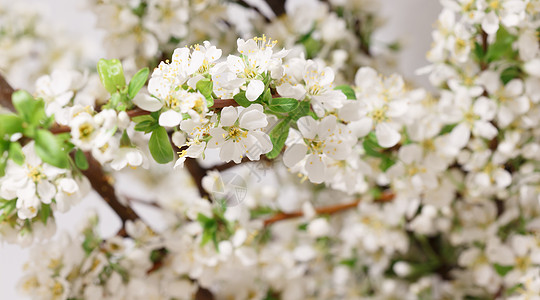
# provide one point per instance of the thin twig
(326, 210)
(5, 94)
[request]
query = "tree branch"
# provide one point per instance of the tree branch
(325, 210)
(5, 94)
(277, 6)
(101, 184)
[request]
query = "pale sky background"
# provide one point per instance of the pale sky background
(410, 21)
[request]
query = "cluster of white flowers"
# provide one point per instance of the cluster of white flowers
(338, 32)
(30, 46)
(140, 31)
(34, 190)
(382, 191)
(70, 97)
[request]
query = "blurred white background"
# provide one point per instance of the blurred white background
(409, 21)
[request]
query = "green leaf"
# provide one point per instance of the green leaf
(80, 160)
(49, 149)
(15, 153)
(283, 105)
(45, 212)
(347, 90)
(205, 87)
(312, 46)
(3, 163)
(302, 110)
(502, 270)
(10, 124)
(267, 96)
(31, 110)
(502, 47)
(447, 129)
(137, 82)
(241, 99)
(111, 74)
(510, 73)
(278, 136)
(125, 141)
(160, 147)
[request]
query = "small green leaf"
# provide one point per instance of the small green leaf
(502, 47)
(302, 110)
(283, 105)
(15, 153)
(32, 110)
(347, 90)
(80, 160)
(137, 82)
(502, 270)
(160, 146)
(241, 99)
(45, 212)
(267, 96)
(49, 149)
(312, 46)
(278, 136)
(205, 87)
(111, 74)
(510, 73)
(3, 163)
(125, 141)
(10, 124)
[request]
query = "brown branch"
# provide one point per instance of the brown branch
(5, 94)
(277, 6)
(325, 210)
(101, 184)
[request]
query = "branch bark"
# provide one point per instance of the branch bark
(326, 210)
(5, 94)
(101, 184)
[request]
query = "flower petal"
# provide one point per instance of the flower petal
(315, 168)
(386, 135)
(229, 115)
(170, 118)
(254, 89)
(294, 154)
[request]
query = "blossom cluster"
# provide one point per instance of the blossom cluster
(337, 32)
(372, 190)
(31, 193)
(31, 47)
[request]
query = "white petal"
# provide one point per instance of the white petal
(361, 127)
(178, 139)
(490, 24)
(254, 89)
(46, 191)
(147, 102)
(327, 126)
(307, 126)
(170, 118)
(252, 119)
(229, 115)
(294, 154)
(315, 168)
(386, 135)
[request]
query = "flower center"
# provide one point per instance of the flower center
(379, 115)
(236, 134)
(35, 173)
(85, 131)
